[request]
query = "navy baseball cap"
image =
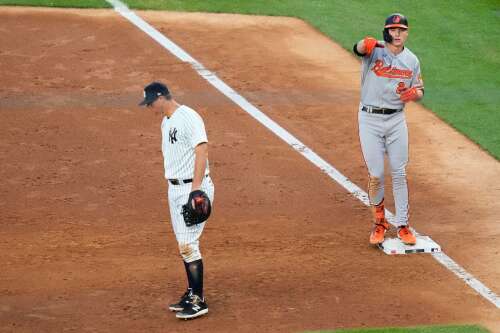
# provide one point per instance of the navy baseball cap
(154, 90)
(396, 20)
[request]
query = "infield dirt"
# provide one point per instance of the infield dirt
(85, 237)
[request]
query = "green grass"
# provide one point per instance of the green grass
(456, 41)
(423, 329)
(57, 3)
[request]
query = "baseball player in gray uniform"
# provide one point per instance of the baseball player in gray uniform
(185, 153)
(390, 78)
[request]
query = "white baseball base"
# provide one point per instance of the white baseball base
(424, 245)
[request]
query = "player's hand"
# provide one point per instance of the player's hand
(409, 94)
(371, 43)
(197, 209)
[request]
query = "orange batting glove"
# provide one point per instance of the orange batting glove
(409, 95)
(370, 44)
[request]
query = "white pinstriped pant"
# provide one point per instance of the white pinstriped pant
(188, 238)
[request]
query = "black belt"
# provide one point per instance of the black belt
(181, 181)
(370, 109)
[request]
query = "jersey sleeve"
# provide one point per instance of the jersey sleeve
(197, 130)
(417, 77)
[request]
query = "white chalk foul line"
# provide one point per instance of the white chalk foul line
(314, 158)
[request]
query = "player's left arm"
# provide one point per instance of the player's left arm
(418, 82)
(200, 164)
(199, 142)
(416, 90)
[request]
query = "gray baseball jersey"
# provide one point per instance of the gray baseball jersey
(384, 74)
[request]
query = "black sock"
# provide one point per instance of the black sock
(194, 271)
(190, 283)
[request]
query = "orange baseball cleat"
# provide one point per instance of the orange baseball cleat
(378, 233)
(406, 236)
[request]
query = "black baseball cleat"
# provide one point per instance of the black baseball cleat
(176, 307)
(196, 307)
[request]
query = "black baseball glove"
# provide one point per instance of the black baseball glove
(197, 209)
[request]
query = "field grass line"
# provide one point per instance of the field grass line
(295, 143)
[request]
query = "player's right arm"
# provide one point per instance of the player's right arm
(359, 48)
(366, 46)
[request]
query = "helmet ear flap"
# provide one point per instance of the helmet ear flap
(387, 35)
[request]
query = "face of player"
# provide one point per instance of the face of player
(399, 36)
(156, 105)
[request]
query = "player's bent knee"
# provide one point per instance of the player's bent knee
(189, 251)
(377, 178)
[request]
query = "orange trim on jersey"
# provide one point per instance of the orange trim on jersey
(391, 72)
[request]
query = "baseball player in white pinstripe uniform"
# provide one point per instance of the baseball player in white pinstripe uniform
(185, 153)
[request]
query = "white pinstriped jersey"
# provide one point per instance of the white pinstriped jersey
(181, 133)
(383, 74)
